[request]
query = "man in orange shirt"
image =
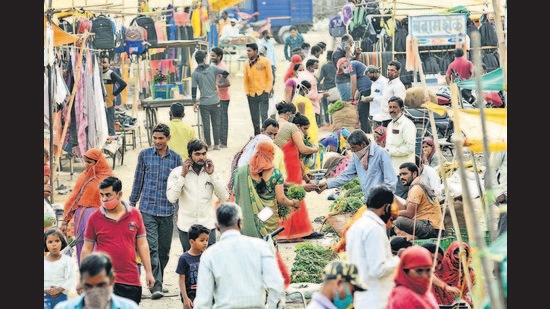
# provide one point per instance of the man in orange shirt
(258, 85)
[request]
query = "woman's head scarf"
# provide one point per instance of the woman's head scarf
(86, 189)
(429, 141)
(453, 274)
(262, 159)
(290, 71)
(412, 257)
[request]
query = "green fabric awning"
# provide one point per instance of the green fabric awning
(490, 81)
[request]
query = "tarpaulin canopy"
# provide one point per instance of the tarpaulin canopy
(60, 37)
(470, 123)
(217, 5)
(490, 81)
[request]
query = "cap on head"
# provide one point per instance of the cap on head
(347, 271)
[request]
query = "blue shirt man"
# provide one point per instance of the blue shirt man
(293, 40)
(379, 168)
(150, 180)
(269, 50)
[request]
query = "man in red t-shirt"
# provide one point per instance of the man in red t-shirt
(460, 67)
(117, 228)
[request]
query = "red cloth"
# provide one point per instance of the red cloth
(86, 190)
(290, 71)
(297, 223)
(262, 159)
(430, 142)
(412, 293)
(451, 275)
(284, 270)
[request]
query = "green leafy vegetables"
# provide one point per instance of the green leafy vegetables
(338, 105)
(296, 192)
(310, 262)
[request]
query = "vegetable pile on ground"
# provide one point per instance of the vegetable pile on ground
(351, 200)
(310, 262)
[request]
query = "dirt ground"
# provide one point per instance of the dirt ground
(240, 129)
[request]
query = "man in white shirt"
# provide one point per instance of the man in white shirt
(266, 41)
(368, 247)
(191, 186)
(394, 88)
(230, 30)
(237, 271)
(379, 82)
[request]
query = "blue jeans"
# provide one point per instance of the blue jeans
(345, 91)
(50, 302)
(258, 106)
(110, 111)
(224, 122)
(159, 237)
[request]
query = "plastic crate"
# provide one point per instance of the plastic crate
(464, 235)
(444, 244)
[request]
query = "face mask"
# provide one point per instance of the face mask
(197, 165)
(290, 119)
(97, 298)
(306, 52)
(111, 204)
(301, 75)
(346, 71)
(342, 303)
(316, 71)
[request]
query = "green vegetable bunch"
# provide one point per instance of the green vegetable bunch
(310, 262)
(346, 205)
(309, 144)
(338, 105)
(283, 211)
(355, 191)
(296, 192)
(352, 184)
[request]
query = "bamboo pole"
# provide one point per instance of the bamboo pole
(441, 159)
(489, 171)
(73, 92)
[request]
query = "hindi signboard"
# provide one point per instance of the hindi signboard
(438, 29)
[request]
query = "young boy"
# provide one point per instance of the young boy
(188, 264)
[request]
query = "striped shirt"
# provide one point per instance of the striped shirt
(150, 180)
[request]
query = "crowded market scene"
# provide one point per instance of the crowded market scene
(275, 154)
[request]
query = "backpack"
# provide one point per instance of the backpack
(120, 46)
(336, 27)
(135, 40)
(444, 63)
(401, 33)
(430, 65)
(357, 27)
(490, 58)
(66, 26)
(149, 25)
(488, 34)
(104, 32)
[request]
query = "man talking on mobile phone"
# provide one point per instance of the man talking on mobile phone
(191, 187)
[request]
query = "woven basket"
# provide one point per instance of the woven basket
(338, 221)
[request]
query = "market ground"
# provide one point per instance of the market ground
(240, 129)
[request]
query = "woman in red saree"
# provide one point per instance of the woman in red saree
(412, 281)
(85, 197)
(291, 141)
(453, 273)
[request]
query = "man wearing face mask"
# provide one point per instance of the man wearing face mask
(344, 50)
(117, 229)
(340, 282)
(97, 278)
(369, 248)
(191, 188)
(379, 81)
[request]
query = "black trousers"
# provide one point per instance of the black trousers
(258, 106)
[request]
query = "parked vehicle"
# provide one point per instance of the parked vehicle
(282, 15)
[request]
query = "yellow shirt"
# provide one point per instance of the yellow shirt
(258, 78)
(313, 131)
(180, 134)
